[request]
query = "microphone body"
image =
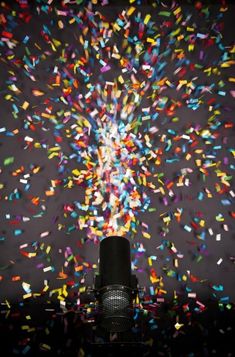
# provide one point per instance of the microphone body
(115, 286)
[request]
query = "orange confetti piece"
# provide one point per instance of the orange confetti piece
(37, 93)
(35, 201)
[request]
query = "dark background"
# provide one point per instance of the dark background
(206, 330)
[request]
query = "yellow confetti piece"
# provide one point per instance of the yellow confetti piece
(86, 123)
(188, 156)
(227, 64)
(31, 255)
(116, 55)
(161, 291)
(177, 11)
(137, 300)
(8, 304)
(98, 233)
(70, 184)
(198, 151)
(54, 291)
(45, 288)
(26, 296)
(45, 346)
(176, 263)
(166, 219)
(54, 148)
(48, 116)
(178, 326)
(76, 172)
(25, 105)
(146, 235)
(147, 18)
(191, 47)
(60, 24)
(150, 40)
(176, 32)
(154, 279)
(8, 97)
(53, 154)
(116, 27)
(144, 181)
(48, 249)
(36, 169)
(211, 165)
(202, 223)
(226, 183)
(130, 10)
(120, 79)
(65, 293)
(25, 327)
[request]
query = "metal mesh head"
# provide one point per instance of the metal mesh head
(115, 308)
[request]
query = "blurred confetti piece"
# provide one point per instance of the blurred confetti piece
(8, 161)
(37, 93)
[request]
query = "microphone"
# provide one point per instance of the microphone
(115, 286)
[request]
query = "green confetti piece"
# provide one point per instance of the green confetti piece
(165, 13)
(71, 257)
(176, 32)
(9, 160)
(171, 273)
(199, 258)
(27, 51)
(161, 174)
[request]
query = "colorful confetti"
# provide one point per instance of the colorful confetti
(117, 120)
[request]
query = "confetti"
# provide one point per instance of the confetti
(8, 161)
(116, 123)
